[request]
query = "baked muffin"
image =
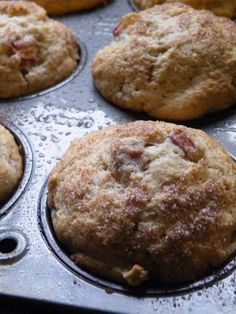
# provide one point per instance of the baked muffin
(56, 7)
(145, 200)
(171, 61)
(11, 164)
(35, 51)
(222, 8)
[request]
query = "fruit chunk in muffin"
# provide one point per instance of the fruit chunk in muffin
(171, 61)
(145, 200)
(35, 51)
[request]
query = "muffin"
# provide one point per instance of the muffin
(171, 61)
(35, 51)
(11, 164)
(56, 7)
(222, 8)
(145, 200)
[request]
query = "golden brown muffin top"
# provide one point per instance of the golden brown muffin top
(57, 7)
(171, 61)
(219, 7)
(35, 51)
(11, 164)
(145, 199)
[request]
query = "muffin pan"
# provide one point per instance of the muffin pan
(133, 5)
(28, 163)
(150, 289)
(34, 268)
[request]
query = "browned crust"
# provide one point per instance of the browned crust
(145, 199)
(59, 7)
(222, 8)
(11, 164)
(134, 277)
(37, 58)
(169, 62)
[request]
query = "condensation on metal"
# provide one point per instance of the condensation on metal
(50, 121)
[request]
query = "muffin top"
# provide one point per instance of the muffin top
(35, 51)
(11, 164)
(145, 200)
(171, 61)
(66, 6)
(222, 8)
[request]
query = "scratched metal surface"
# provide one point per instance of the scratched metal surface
(45, 124)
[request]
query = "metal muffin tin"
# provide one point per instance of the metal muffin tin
(34, 269)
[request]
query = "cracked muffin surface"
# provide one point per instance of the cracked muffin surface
(145, 200)
(222, 8)
(171, 61)
(35, 51)
(11, 164)
(57, 7)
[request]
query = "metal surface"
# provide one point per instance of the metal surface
(37, 269)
